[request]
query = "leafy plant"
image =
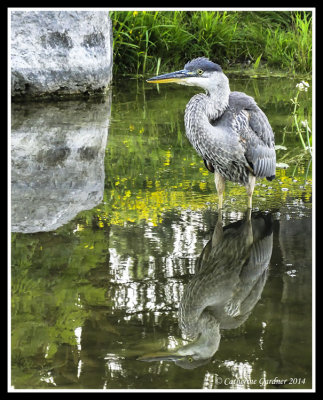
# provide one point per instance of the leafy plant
(301, 125)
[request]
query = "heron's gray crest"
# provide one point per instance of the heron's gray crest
(203, 64)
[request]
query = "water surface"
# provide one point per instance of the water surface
(120, 258)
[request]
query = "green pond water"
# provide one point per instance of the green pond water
(121, 263)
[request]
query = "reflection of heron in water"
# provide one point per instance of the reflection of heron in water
(231, 273)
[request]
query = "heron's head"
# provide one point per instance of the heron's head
(197, 352)
(199, 72)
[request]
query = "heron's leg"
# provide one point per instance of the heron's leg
(248, 214)
(248, 228)
(250, 186)
(218, 230)
(220, 185)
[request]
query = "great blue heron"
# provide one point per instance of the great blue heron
(229, 278)
(227, 129)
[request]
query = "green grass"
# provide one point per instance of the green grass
(147, 41)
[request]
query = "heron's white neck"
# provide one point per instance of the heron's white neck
(202, 108)
(218, 93)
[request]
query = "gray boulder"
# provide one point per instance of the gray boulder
(60, 53)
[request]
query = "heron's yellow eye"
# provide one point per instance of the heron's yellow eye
(200, 71)
(190, 359)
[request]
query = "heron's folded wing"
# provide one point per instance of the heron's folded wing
(256, 135)
(260, 146)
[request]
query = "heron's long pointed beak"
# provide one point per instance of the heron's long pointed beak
(162, 356)
(176, 76)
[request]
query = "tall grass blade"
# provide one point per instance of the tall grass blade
(256, 64)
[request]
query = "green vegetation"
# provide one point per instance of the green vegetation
(146, 41)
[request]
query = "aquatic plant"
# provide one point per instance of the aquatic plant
(299, 123)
